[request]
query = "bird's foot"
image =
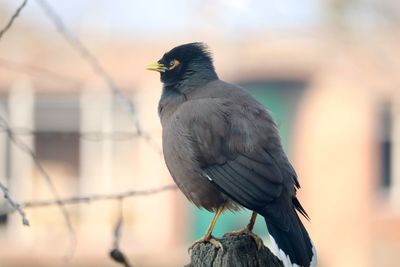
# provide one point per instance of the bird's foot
(247, 231)
(205, 239)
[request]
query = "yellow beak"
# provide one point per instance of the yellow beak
(156, 67)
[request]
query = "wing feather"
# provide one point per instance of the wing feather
(250, 188)
(239, 148)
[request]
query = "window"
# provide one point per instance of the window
(385, 145)
(57, 141)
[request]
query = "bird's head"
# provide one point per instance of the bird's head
(185, 66)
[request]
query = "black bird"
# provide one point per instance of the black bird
(223, 150)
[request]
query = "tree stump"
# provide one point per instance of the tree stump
(238, 251)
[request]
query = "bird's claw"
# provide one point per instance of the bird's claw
(205, 239)
(259, 242)
(217, 244)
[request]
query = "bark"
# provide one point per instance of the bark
(238, 251)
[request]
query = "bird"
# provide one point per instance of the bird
(223, 150)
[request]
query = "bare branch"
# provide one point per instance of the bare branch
(96, 197)
(25, 148)
(14, 204)
(116, 253)
(13, 17)
(98, 69)
(118, 225)
(77, 44)
(88, 136)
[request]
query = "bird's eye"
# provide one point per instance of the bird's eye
(173, 63)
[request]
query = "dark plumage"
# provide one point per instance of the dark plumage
(223, 150)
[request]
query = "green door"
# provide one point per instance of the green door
(281, 98)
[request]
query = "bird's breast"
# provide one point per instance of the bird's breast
(180, 158)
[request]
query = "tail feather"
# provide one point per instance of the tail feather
(300, 208)
(294, 247)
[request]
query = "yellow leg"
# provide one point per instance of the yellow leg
(208, 236)
(252, 221)
(213, 222)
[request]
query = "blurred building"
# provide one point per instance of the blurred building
(333, 89)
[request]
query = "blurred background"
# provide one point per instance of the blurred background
(328, 70)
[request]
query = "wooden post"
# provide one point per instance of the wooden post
(238, 251)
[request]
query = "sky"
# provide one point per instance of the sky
(157, 16)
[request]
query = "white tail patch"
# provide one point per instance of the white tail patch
(273, 246)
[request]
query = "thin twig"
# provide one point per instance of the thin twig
(118, 224)
(88, 136)
(13, 17)
(83, 51)
(25, 148)
(96, 197)
(14, 204)
(116, 253)
(98, 69)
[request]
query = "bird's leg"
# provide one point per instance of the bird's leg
(208, 236)
(249, 227)
(253, 218)
(249, 231)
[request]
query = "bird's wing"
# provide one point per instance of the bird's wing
(238, 148)
(252, 183)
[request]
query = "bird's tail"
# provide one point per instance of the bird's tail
(293, 246)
